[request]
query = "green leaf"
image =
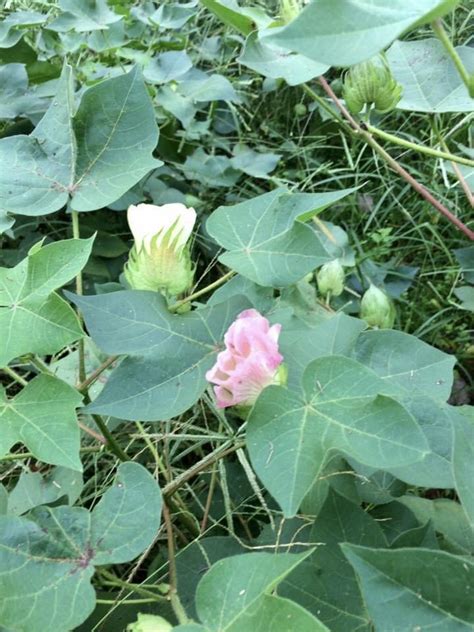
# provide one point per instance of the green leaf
(407, 364)
(168, 354)
(233, 586)
(430, 80)
(466, 295)
(465, 257)
(324, 583)
(199, 86)
(91, 158)
(196, 558)
(345, 32)
(15, 99)
(448, 518)
(42, 416)
(270, 611)
(290, 436)
(435, 468)
(463, 460)
(300, 344)
(254, 163)
(33, 489)
(277, 63)
(265, 240)
(168, 66)
(83, 15)
(33, 319)
(231, 15)
(409, 589)
(52, 553)
(13, 26)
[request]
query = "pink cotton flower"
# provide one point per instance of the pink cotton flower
(249, 363)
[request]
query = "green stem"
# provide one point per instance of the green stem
(111, 442)
(205, 290)
(16, 376)
(436, 153)
(83, 386)
(443, 37)
(115, 581)
(176, 604)
(79, 289)
(30, 455)
(40, 365)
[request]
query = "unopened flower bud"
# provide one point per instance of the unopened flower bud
(149, 623)
(370, 84)
(159, 260)
(289, 10)
(330, 278)
(377, 309)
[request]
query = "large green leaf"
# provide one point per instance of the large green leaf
(33, 319)
(277, 63)
(234, 587)
(265, 240)
(300, 344)
(15, 99)
(271, 611)
(91, 158)
(83, 15)
(290, 436)
(48, 559)
(463, 459)
(415, 589)
(345, 32)
(243, 19)
(430, 80)
(325, 583)
(43, 417)
(406, 363)
(169, 354)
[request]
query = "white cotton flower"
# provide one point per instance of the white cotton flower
(160, 259)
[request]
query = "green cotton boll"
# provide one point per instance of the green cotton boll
(149, 623)
(330, 278)
(377, 309)
(368, 84)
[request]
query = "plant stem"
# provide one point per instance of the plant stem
(436, 153)
(173, 590)
(16, 376)
(111, 442)
(30, 455)
(443, 37)
(115, 581)
(40, 365)
(225, 449)
(205, 290)
(419, 188)
(79, 289)
(83, 386)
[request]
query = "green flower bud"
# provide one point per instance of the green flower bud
(377, 309)
(370, 84)
(159, 260)
(330, 278)
(289, 10)
(149, 623)
(300, 109)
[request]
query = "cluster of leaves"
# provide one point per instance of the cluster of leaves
(345, 501)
